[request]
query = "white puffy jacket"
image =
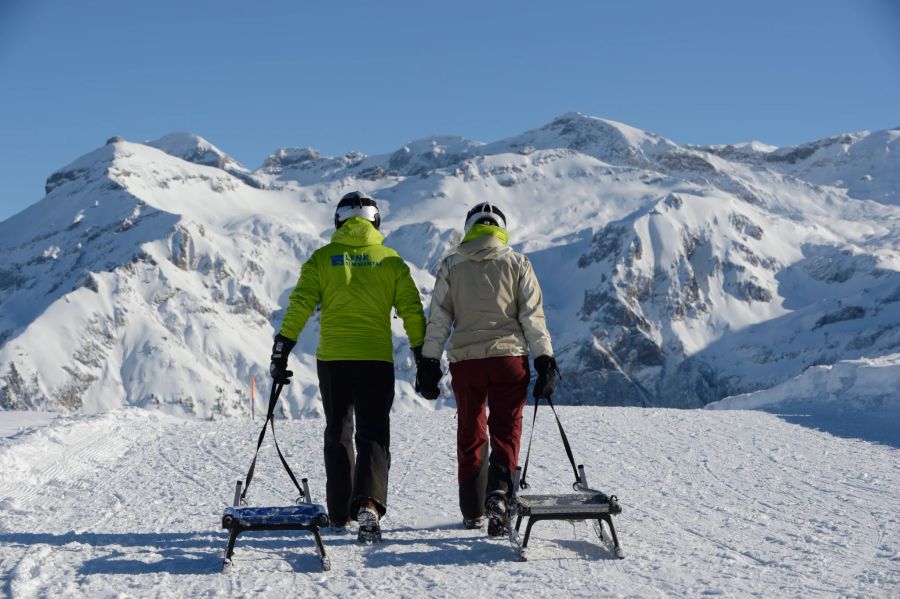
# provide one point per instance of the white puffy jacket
(490, 297)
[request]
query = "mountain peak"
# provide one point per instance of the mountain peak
(436, 151)
(578, 124)
(90, 166)
(442, 144)
(193, 148)
(286, 158)
(606, 140)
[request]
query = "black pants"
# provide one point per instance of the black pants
(366, 386)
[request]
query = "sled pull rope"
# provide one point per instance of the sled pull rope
(522, 482)
(270, 421)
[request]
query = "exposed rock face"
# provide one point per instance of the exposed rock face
(286, 158)
(668, 277)
(845, 313)
(16, 394)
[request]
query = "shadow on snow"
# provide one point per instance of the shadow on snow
(198, 553)
(877, 427)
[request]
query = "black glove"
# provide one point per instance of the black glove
(546, 380)
(428, 374)
(280, 352)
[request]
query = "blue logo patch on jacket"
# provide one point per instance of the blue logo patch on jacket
(353, 260)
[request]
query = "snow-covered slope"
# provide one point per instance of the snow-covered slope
(852, 384)
(155, 274)
(865, 164)
(714, 503)
(147, 284)
(852, 398)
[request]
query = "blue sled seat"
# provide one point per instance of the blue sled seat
(247, 518)
(305, 516)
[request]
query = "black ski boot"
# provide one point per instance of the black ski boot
(474, 523)
(497, 515)
(369, 527)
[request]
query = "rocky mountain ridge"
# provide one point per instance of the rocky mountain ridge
(155, 274)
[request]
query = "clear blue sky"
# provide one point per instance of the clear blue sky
(254, 76)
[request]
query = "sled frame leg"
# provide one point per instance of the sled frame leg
(229, 551)
(320, 549)
(612, 529)
(312, 528)
(534, 518)
(617, 549)
(528, 526)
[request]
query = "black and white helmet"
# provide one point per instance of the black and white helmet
(356, 203)
(485, 213)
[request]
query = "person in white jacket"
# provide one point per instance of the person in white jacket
(488, 295)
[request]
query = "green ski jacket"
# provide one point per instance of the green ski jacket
(356, 280)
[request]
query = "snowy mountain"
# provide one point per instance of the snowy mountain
(155, 274)
(865, 164)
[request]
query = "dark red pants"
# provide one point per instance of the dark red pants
(501, 385)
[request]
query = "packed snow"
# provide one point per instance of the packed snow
(733, 503)
(16, 421)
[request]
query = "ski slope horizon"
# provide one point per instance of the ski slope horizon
(734, 503)
(155, 274)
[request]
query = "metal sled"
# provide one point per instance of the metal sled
(585, 504)
(305, 515)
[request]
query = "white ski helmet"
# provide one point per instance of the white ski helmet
(356, 203)
(485, 213)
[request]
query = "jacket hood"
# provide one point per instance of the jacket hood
(357, 232)
(484, 247)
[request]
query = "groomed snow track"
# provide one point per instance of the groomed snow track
(733, 503)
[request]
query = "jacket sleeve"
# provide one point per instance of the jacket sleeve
(529, 301)
(304, 299)
(440, 315)
(408, 304)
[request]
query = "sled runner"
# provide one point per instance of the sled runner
(305, 515)
(585, 504)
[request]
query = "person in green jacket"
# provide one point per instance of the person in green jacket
(356, 281)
